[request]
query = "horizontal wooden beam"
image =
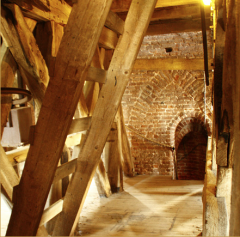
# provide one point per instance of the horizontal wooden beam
(108, 39)
(171, 64)
(79, 125)
(65, 170)
(96, 75)
(123, 5)
(176, 26)
(17, 155)
(176, 12)
(115, 23)
(51, 212)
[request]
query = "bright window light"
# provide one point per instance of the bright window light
(207, 2)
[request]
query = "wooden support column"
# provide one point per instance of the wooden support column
(231, 72)
(109, 99)
(113, 159)
(127, 161)
(60, 101)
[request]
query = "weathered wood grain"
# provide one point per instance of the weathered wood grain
(43, 10)
(22, 44)
(8, 70)
(104, 113)
(56, 114)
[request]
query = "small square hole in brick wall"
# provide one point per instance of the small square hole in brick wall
(168, 50)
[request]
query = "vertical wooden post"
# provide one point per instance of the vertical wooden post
(232, 62)
(113, 159)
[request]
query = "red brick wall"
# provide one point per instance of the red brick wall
(155, 102)
(191, 156)
(190, 143)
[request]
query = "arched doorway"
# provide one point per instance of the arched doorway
(191, 143)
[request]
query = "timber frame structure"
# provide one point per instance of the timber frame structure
(76, 57)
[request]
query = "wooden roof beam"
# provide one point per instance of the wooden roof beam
(171, 64)
(123, 5)
(176, 12)
(176, 26)
(59, 11)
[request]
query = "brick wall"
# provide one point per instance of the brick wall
(155, 102)
(190, 143)
(191, 157)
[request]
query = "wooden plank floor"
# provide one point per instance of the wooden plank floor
(149, 206)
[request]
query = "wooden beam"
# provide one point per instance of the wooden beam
(8, 70)
(171, 64)
(51, 212)
(48, 37)
(113, 158)
(65, 170)
(123, 5)
(102, 181)
(108, 39)
(231, 98)
(8, 176)
(25, 51)
(31, 23)
(128, 166)
(115, 23)
(79, 125)
(42, 231)
(176, 26)
(60, 101)
(42, 10)
(17, 155)
(96, 75)
(59, 11)
(104, 113)
(176, 12)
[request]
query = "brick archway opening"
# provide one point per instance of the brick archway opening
(191, 149)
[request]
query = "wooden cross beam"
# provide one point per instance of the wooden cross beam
(107, 105)
(80, 39)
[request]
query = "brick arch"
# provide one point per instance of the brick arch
(181, 117)
(186, 126)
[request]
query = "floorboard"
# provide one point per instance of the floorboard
(149, 206)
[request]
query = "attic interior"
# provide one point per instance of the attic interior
(140, 97)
